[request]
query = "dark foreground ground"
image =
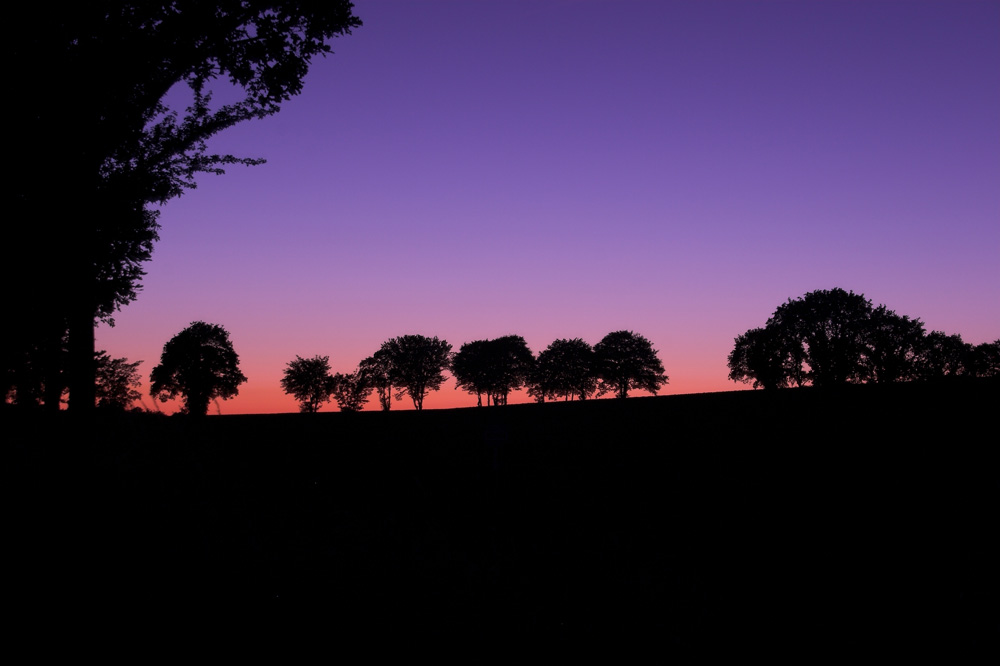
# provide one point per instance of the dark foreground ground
(834, 519)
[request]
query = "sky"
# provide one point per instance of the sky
(568, 168)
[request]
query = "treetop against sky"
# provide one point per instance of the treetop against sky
(562, 170)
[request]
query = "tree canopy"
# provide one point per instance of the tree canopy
(565, 369)
(416, 365)
(471, 370)
(309, 381)
(351, 391)
(199, 364)
(627, 361)
(118, 382)
(122, 148)
(377, 373)
(834, 337)
(494, 367)
(830, 327)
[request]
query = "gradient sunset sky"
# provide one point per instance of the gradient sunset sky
(568, 168)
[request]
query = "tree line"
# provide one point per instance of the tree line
(825, 338)
(414, 365)
(835, 337)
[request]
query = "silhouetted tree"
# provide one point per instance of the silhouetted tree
(308, 380)
(511, 363)
(626, 361)
(118, 382)
(351, 391)
(892, 346)
(831, 327)
(470, 367)
(943, 355)
(122, 149)
(767, 358)
(494, 367)
(416, 365)
(199, 364)
(376, 372)
(986, 359)
(34, 365)
(566, 369)
(833, 337)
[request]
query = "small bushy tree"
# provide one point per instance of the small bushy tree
(377, 373)
(118, 382)
(308, 380)
(351, 391)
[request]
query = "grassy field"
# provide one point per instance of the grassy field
(833, 517)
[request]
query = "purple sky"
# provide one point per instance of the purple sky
(560, 169)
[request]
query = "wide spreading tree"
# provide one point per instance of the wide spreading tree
(493, 367)
(200, 365)
(627, 361)
(95, 77)
(834, 337)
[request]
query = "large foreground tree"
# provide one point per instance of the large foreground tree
(93, 79)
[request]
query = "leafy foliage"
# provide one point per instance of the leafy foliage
(627, 361)
(829, 328)
(34, 365)
(494, 367)
(986, 359)
(766, 357)
(833, 337)
(118, 382)
(565, 369)
(942, 355)
(377, 373)
(199, 364)
(470, 368)
(416, 365)
(351, 391)
(892, 345)
(308, 380)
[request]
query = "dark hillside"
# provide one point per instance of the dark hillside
(836, 517)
